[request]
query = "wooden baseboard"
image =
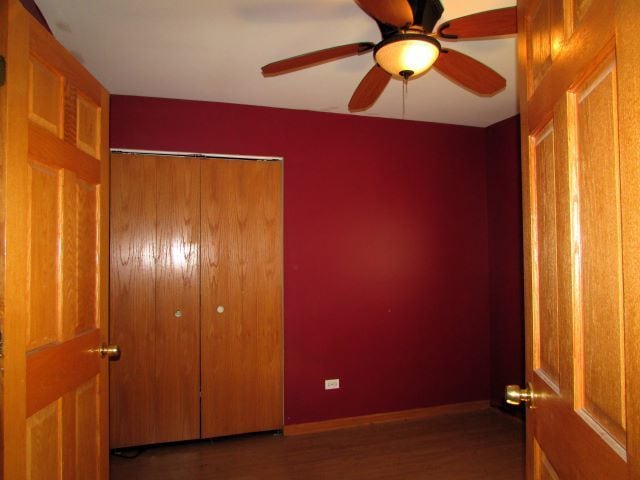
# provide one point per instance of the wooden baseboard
(403, 415)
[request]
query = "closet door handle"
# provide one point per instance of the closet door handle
(220, 309)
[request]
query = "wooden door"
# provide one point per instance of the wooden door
(581, 187)
(241, 284)
(155, 299)
(54, 192)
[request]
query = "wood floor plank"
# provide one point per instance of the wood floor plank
(484, 445)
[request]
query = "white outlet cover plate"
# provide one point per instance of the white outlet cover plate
(332, 384)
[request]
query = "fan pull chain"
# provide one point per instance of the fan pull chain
(405, 91)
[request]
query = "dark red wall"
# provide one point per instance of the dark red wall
(385, 234)
(505, 256)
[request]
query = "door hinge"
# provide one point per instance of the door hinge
(3, 71)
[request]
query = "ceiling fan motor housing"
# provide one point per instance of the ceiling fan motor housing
(427, 13)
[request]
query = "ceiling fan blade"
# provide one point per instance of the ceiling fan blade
(470, 73)
(315, 58)
(502, 21)
(392, 12)
(369, 89)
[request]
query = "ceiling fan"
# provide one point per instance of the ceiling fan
(409, 48)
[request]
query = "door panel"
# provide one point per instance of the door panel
(177, 328)
(547, 334)
(87, 125)
(599, 323)
(44, 322)
(55, 381)
(241, 272)
(577, 255)
(133, 307)
(46, 102)
(87, 282)
(43, 443)
(155, 299)
(543, 470)
(540, 40)
(86, 414)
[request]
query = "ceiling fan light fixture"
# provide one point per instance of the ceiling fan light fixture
(407, 54)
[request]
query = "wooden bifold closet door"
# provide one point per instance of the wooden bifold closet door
(196, 274)
(241, 267)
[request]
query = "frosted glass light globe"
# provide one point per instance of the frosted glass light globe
(414, 53)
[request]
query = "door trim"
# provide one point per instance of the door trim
(168, 153)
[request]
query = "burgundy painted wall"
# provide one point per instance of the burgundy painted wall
(385, 233)
(505, 256)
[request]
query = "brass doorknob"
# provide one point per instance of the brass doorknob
(514, 395)
(111, 351)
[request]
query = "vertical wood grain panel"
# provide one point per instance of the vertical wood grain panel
(627, 72)
(177, 331)
(132, 299)
(102, 287)
(241, 272)
(69, 254)
(70, 113)
(268, 262)
(43, 444)
(223, 334)
(567, 246)
(68, 438)
(46, 97)
(3, 161)
(540, 41)
(86, 430)
(87, 261)
(580, 8)
(548, 29)
(547, 337)
(542, 469)
(88, 126)
(601, 328)
(44, 256)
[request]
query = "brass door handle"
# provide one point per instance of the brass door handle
(111, 351)
(514, 395)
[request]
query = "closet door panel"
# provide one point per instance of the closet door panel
(132, 300)
(177, 333)
(241, 304)
(155, 299)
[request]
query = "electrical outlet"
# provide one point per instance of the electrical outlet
(332, 384)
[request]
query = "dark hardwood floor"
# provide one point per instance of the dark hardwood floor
(485, 445)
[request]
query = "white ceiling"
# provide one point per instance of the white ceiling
(212, 50)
